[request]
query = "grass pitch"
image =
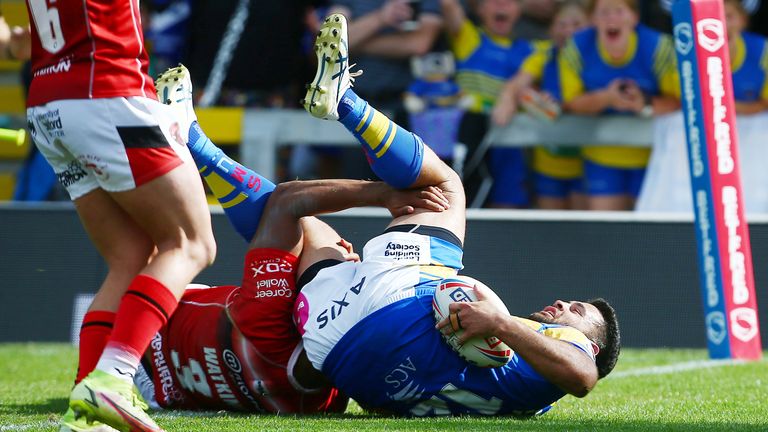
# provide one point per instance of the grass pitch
(650, 390)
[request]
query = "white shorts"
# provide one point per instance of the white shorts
(339, 297)
(116, 144)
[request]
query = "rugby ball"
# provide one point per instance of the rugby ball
(483, 352)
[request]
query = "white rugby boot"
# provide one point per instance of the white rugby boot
(333, 76)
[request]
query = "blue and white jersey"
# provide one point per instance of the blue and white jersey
(369, 328)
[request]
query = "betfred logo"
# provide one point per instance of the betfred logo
(716, 327)
(744, 323)
(683, 38)
(711, 34)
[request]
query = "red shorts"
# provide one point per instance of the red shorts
(229, 347)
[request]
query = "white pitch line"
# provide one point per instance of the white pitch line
(28, 426)
(676, 367)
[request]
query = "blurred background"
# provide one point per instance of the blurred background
(539, 105)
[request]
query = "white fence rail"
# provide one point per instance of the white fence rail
(264, 131)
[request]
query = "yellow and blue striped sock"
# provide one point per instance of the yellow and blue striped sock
(395, 154)
(241, 191)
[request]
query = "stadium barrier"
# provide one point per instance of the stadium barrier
(644, 264)
(264, 131)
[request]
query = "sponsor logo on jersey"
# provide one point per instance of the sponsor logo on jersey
(711, 34)
(63, 65)
(235, 372)
(71, 175)
(171, 394)
(401, 377)
(337, 306)
(94, 163)
(231, 360)
(274, 266)
(273, 288)
(402, 251)
(51, 121)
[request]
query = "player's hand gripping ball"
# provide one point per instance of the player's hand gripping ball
(483, 352)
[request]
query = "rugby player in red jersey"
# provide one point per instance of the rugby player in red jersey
(93, 113)
(234, 347)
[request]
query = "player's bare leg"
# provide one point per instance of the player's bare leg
(164, 236)
(397, 156)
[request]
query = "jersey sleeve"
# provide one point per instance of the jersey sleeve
(537, 60)
(571, 336)
(466, 41)
(263, 306)
(563, 333)
(665, 67)
(570, 65)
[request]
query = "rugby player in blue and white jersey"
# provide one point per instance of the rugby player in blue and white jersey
(368, 326)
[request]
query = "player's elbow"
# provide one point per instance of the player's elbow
(581, 381)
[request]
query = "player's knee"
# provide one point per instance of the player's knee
(198, 251)
(203, 251)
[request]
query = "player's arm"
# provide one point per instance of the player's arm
(454, 16)
(280, 228)
(360, 29)
(15, 43)
(557, 361)
(405, 44)
(531, 71)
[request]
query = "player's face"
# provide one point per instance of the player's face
(734, 20)
(580, 315)
(567, 22)
(499, 16)
(615, 21)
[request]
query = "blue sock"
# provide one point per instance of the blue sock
(241, 192)
(395, 154)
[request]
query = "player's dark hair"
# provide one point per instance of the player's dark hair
(607, 338)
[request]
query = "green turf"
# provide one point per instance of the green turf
(35, 380)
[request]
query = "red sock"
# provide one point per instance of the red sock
(145, 308)
(94, 334)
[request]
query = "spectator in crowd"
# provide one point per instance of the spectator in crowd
(268, 65)
(557, 170)
(166, 27)
(656, 14)
(35, 180)
(536, 19)
(487, 57)
(617, 66)
(15, 43)
(383, 36)
(749, 61)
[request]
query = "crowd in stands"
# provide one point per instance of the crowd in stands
(452, 69)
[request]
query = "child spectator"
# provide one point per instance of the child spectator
(749, 61)
(617, 66)
(557, 170)
(487, 57)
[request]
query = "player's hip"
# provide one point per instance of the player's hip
(115, 144)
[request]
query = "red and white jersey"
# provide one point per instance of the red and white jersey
(229, 347)
(84, 49)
